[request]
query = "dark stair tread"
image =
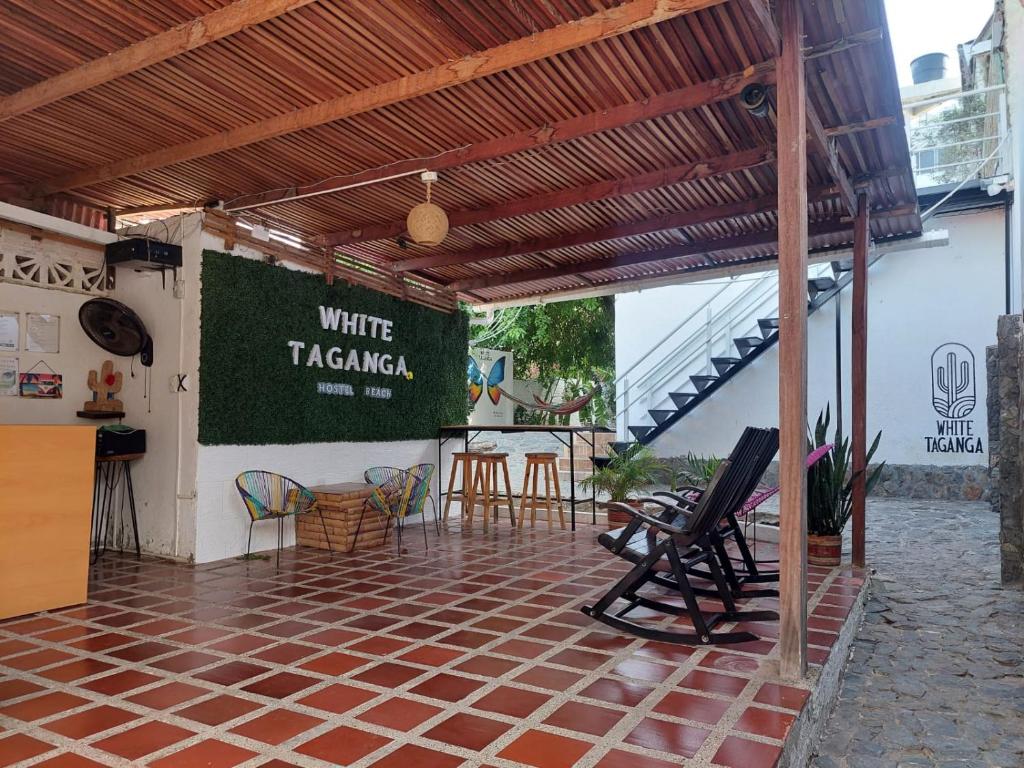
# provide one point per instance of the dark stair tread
(621, 445)
(768, 325)
(682, 398)
(703, 381)
(660, 415)
(821, 283)
(640, 432)
(723, 364)
(745, 344)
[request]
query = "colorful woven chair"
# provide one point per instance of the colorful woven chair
(397, 494)
(269, 496)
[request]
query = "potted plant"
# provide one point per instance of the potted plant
(830, 492)
(624, 475)
(699, 470)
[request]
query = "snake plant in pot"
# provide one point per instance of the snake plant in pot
(625, 475)
(830, 492)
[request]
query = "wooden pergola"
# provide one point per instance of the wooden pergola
(579, 144)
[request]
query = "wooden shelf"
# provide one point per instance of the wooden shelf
(100, 414)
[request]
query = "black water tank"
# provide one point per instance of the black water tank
(931, 66)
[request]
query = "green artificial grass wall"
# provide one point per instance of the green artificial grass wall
(252, 392)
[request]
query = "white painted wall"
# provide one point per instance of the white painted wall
(157, 413)
(221, 521)
(188, 507)
(918, 300)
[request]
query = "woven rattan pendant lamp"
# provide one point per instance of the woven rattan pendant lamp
(427, 223)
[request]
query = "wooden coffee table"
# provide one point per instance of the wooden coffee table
(341, 503)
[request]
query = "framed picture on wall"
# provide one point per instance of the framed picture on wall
(8, 377)
(42, 333)
(8, 331)
(46, 384)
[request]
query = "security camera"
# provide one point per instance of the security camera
(754, 99)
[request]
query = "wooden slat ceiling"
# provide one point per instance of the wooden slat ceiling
(326, 48)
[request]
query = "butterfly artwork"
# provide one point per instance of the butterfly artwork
(477, 382)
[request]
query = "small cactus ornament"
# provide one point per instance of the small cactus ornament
(105, 385)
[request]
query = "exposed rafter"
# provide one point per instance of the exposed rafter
(682, 99)
(826, 149)
(631, 15)
(698, 249)
(768, 237)
(867, 37)
(864, 125)
(691, 97)
(680, 219)
(760, 16)
(145, 53)
(664, 223)
(701, 169)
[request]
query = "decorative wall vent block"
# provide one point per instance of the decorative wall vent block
(46, 263)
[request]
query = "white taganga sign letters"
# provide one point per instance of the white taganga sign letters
(351, 358)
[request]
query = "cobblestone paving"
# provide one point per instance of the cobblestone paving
(935, 677)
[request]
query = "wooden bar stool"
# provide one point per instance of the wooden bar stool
(485, 487)
(549, 463)
(466, 493)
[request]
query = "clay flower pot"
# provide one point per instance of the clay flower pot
(617, 518)
(824, 550)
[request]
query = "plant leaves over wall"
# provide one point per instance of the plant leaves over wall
(250, 392)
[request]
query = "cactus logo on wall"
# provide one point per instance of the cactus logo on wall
(954, 396)
(953, 391)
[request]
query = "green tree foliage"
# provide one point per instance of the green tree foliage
(571, 343)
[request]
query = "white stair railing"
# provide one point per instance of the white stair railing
(686, 350)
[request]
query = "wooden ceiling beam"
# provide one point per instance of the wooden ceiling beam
(680, 100)
(867, 37)
(768, 237)
(759, 14)
(670, 221)
(145, 53)
(702, 248)
(678, 220)
(602, 190)
(825, 147)
(863, 125)
(611, 22)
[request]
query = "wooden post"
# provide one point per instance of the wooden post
(859, 367)
(792, 147)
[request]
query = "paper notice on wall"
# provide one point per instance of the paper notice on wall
(8, 330)
(8, 377)
(42, 333)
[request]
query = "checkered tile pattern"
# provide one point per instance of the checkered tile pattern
(472, 653)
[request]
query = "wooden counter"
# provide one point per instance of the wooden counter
(341, 503)
(46, 473)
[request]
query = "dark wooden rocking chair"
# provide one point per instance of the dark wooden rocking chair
(745, 569)
(665, 551)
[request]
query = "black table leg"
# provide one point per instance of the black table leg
(131, 507)
(572, 479)
(93, 527)
(593, 467)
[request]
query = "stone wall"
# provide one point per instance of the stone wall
(1006, 442)
(913, 481)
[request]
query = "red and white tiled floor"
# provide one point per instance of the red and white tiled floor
(471, 654)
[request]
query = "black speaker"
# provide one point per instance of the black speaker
(120, 440)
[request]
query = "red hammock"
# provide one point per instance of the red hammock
(571, 406)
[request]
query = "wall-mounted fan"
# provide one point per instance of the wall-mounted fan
(116, 328)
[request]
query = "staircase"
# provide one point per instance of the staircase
(710, 346)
